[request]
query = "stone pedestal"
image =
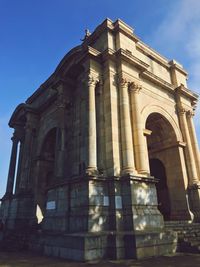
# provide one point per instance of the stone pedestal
(18, 211)
(95, 218)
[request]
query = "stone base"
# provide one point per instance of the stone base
(18, 211)
(154, 244)
(108, 245)
(92, 219)
(194, 201)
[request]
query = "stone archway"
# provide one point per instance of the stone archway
(46, 166)
(157, 169)
(167, 166)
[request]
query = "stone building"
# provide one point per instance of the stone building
(106, 150)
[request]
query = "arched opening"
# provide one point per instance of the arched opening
(162, 145)
(46, 167)
(48, 156)
(157, 169)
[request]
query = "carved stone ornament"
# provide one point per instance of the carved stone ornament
(99, 88)
(92, 80)
(134, 87)
(122, 82)
(181, 111)
(190, 113)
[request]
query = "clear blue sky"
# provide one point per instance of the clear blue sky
(35, 35)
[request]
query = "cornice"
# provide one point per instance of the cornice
(120, 26)
(47, 103)
(155, 79)
(108, 54)
(127, 56)
(149, 52)
(174, 65)
(182, 90)
(92, 51)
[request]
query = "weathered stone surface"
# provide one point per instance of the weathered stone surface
(107, 152)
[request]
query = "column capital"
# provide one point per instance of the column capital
(61, 102)
(15, 138)
(190, 113)
(122, 81)
(134, 87)
(181, 111)
(92, 80)
(18, 135)
(99, 88)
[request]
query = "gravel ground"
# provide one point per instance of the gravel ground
(11, 259)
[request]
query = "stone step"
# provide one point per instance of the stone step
(188, 235)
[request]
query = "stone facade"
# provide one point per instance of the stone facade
(106, 151)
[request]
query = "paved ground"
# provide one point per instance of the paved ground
(31, 260)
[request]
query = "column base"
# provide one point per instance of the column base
(128, 171)
(91, 171)
(194, 201)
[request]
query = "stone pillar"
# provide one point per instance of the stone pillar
(12, 167)
(190, 160)
(19, 166)
(100, 126)
(91, 167)
(140, 146)
(60, 152)
(30, 128)
(128, 165)
(194, 142)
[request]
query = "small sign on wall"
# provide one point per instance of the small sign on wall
(106, 201)
(118, 202)
(51, 205)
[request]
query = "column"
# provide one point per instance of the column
(140, 147)
(12, 167)
(18, 177)
(126, 132)
(60, 152)
(28, 148)
(91, 167)
(194, 141)
(100, 126)
(190, 161)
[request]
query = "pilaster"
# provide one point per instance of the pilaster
(12, 167)
(91, 167)
(28, 148)
(194, 142)
(190, 161)
(140, 146)
(128, 165)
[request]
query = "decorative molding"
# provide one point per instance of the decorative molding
(134, 87)
(129, 57)
(169, 146)
(122, 81)
(147, 132)
(182, 90)
(190, 113)
(155, 79)
(181, 110)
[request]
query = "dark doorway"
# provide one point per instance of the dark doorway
(157, 170)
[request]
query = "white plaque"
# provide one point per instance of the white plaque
(118, 202)
(51, 205)
(106, 201)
